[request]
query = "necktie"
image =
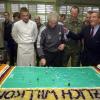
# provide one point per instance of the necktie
(92, 31)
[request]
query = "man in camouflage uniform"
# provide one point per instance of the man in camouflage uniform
(73, 47)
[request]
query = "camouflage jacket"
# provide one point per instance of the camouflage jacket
(74, 26)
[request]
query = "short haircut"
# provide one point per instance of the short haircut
(24, 9)
(16, 14)
(75, 7)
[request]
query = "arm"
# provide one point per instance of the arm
(62, 36)
(62, 45)
(74, 36)
(35, 32)
(14, 32)
(40, 42)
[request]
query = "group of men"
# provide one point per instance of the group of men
(57, 42)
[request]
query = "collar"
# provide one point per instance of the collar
(97, 26)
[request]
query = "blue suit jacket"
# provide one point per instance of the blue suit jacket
(91, 51)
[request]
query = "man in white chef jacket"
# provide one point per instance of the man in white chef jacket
(24, 33)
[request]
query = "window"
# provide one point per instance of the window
(83, 10)
(32, 8)
(63, 10)
(86, 9)
(35, 9)
(95, 9)
(23, 5)
(43, 10)
(49, 8)
(15, 7)
(2, 7)
(68, 9)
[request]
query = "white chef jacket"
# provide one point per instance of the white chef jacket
(25, 35)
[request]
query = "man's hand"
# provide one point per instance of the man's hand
(61, 47)
(66, 30)
(42, 62)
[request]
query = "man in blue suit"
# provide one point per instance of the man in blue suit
(91, 37)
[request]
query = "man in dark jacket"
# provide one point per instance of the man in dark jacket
(50, 43)
(9, 42)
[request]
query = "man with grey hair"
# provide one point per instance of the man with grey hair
(50, 43)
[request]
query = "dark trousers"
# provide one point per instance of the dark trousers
(75, 58)
(37, 56)
(11, 48)
(13, 54)
(54, 59)
(89, 59)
